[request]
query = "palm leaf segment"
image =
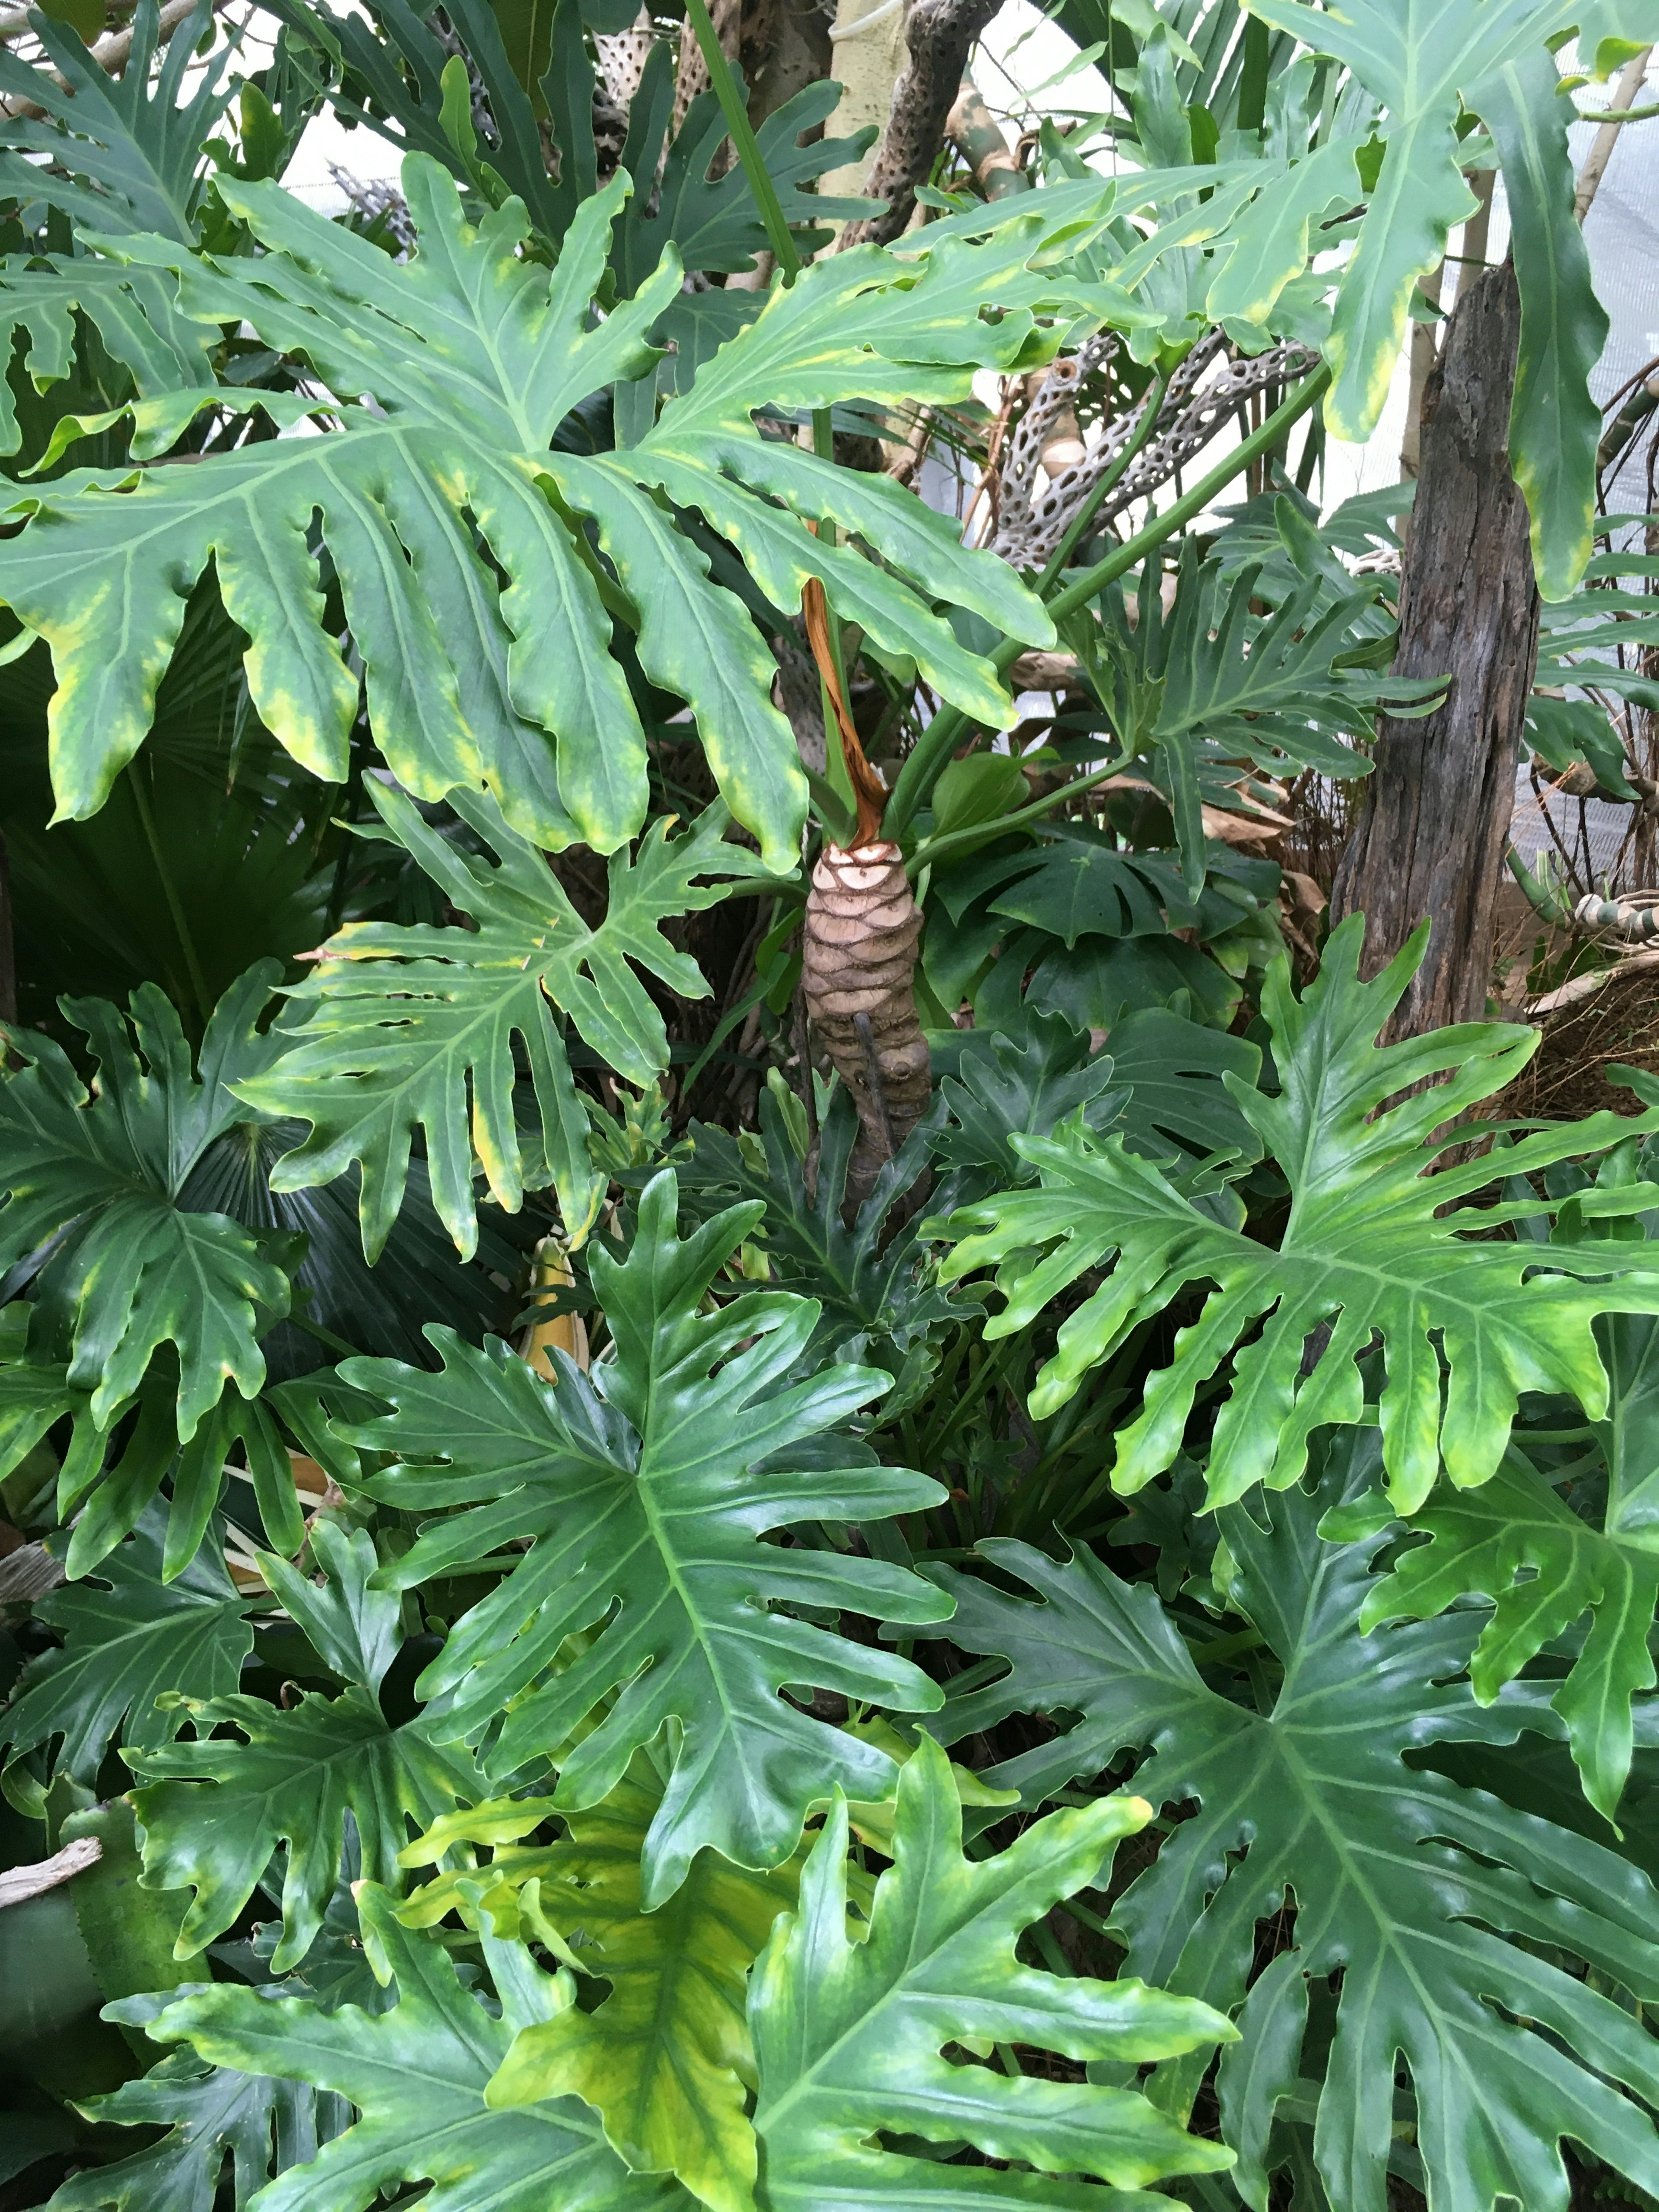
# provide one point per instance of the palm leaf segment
(642, 1509)
(1453, 1922)
(472, 356)
(1370, 1245)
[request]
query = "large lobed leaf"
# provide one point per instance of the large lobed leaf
(125, 1646)
(1561, 1534)
(849, 2033)
(469, 357)
(210, 2113)
(666, 2058)
(417, 2075)
(639, 1494)
(123, 151)
(1453, 1922)
(216, 1810)
(1430, 64)
(89, 1187)
(403, 1022)
(1371, 1244)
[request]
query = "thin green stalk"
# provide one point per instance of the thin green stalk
(785, 251)
(169, 891)
(1108, 485)
(931, 848)
(944, 733)
(1130, 555)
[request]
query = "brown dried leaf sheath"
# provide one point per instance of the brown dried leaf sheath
(862, 926)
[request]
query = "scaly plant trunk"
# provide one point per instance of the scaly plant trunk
(858, 961)
(1431, 841)
(857, 976)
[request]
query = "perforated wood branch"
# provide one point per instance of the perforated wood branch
(1203, 397)
(940, 35)
(744, 29)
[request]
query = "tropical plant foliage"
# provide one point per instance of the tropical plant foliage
(558, 1648)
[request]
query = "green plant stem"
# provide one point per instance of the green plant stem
(170, 893)
(980, 832)
(1108, 485)
(785, 251)
(944, 733)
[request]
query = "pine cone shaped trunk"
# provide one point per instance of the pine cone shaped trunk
(862, 928)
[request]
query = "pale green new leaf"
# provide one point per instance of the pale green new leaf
(849, 2034)
(1371, 1244)
(403, 1023)
(417, 2075)
(665, 2058)
(468, 359)
(1459, 1928)
(631, 1503)
(216, 1810)
(90, 1184)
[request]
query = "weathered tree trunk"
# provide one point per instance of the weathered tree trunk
(1431, 841)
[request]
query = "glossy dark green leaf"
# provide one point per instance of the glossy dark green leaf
(632, 1500)
(216, 1810)
(129, 1638)
(468, 358)
(1369, 1244)
(91, 1183)
(417, 2075)
(415, 1028)
(210, 2113)
(849, 2034)
(1460, 1928)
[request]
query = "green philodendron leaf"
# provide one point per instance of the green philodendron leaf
(1371, 1244)
(665, 2058)
(1545, 1566)
(216, 1810)
(135, 311)
(639, 1494)
(1025, 1080)
(849, 2034)
(123, 152)
(417, 2075)
(468, 359)
(1459, 1928)
(1429, 63)
(415, 1028)
(1550, 1544)
(90, 1184)
(210, 2113)
(1555, 425)
(874, 1284)
(129, 1638)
